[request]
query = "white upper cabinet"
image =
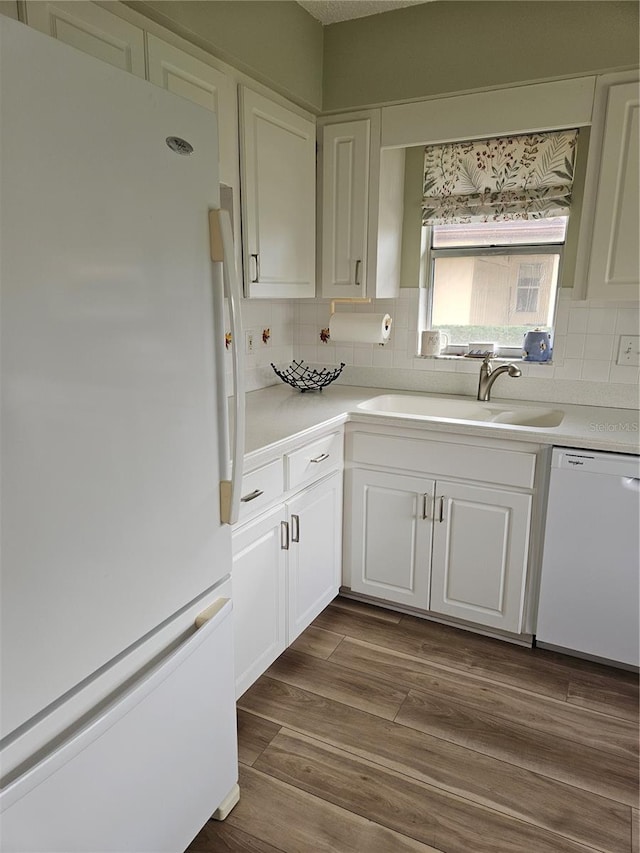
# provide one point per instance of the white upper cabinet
(197, 81)
(278, 155)
(93, 30)
(612, 245)
(345, 202)
(361, 212)
(184, 75)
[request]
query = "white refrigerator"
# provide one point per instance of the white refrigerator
(117, 695)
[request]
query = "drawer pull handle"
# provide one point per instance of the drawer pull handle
(441, 508)
(295, 528)
(251, 496)
(284, 535)
(320, 458)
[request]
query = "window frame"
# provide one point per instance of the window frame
(430, 255)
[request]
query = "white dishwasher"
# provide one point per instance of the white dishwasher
(589, 589)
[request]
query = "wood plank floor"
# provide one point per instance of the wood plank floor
(382, 733)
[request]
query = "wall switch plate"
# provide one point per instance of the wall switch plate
(249, 341)
(629, 350)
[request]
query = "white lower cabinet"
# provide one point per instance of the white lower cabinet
(259, 596)
(286, 569)
(315, 551)
(390, 536)
(480, 548)
(443, 546)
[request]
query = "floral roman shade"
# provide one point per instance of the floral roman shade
(491, 180)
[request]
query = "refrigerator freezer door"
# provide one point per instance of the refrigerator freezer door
(147, 772)
(110, 446)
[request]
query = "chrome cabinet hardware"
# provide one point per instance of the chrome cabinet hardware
(357, 281)
(426, 499)
(284, 535)
(425, 506)
(256, 258)
(251, 496)
(295, 528)
(320, 458)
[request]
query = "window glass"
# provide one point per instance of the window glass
(493, 298)
(493, 282)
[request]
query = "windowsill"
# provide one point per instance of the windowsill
(507, 359)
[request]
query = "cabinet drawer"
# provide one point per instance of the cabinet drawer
(314, 460)
(442, 459)
(260, 488)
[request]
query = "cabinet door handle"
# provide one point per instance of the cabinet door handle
(284, 535)
(256, 258)
(320, 458)
(356, 277)
(295, 528)
(425, 505)
(441, 500)
(251, 496)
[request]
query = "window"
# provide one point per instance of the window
(495, 215)
(530, 277)
(489, 285)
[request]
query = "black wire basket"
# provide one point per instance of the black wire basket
(305, 378)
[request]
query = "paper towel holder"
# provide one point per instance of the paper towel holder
(354, 300)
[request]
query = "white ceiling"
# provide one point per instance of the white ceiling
(332, 11)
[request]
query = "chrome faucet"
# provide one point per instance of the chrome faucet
(488, 376)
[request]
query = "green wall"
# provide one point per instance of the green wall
(275, 42)
(412, 220)
(420, 51)
(458, 45)
(9, 7)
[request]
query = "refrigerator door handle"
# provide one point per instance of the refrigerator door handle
(222, 250)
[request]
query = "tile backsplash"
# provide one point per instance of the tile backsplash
(583, 371)
(277, 317)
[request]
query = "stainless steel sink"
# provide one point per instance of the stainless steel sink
(441, 408)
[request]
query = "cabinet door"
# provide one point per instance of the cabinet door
(345, 201)
(278, 199)
(93, 30)
(259, 596)
(390, 538)
(480, 550)
(315, 551)
(614, 265)
(185, 75)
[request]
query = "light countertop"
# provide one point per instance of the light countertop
(276, 414)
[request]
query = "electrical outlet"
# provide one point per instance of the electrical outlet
(629, 350)
(249, 341)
